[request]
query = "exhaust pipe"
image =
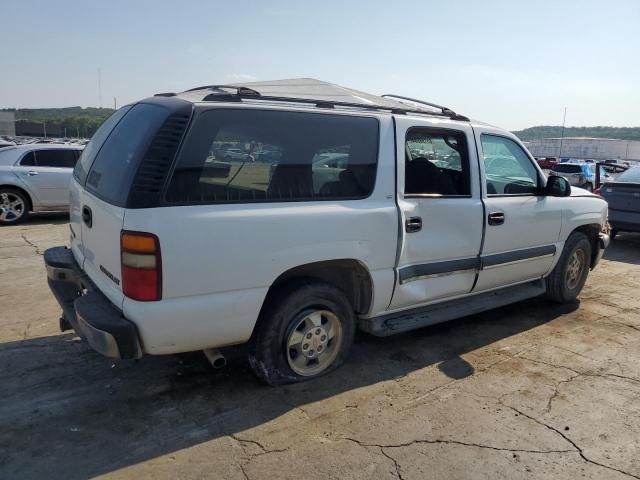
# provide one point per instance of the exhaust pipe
(215, 357)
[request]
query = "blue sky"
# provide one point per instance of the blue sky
(511, 63)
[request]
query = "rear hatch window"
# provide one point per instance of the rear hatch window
(564, 168)
(111, 159)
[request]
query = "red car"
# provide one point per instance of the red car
(547, 163)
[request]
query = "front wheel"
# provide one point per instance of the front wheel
(304, 331)
(570, 274)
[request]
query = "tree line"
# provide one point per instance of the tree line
(59, 122)
(547, 131)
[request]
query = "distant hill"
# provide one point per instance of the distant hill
(75, 121)
(547, 131)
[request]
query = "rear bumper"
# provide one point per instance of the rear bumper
(624, 220)
(87, 310)
(603, 242)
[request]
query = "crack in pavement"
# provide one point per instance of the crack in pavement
(31, 244)
(455, 442)
(566, 438)
(395, 463)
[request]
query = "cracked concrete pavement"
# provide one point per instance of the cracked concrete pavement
(533, 390)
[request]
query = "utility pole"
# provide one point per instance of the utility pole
(44, 127)
(99, 87)
(564, 119)
(115, 104)
(78, 131)
(626, 155)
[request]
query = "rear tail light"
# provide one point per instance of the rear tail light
(141, 266)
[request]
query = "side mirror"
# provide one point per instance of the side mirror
(557, 186)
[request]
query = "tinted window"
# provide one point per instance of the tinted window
(565, 168)
(29, 160)
(56, 158)
(508, 169)
(267, 156)
(115, 165)
(436, 162)
(93, 147)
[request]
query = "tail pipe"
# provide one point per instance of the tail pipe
(215, 357)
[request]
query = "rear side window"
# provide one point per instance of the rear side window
(116, 163)
(93, 147)
(56, 158)
(270, 156)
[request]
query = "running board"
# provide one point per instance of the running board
(405, 321)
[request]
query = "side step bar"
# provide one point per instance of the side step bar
(391, 324)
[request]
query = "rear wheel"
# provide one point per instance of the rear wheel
(305, 331)
(570, 274)
(14, 206)
(613, 233)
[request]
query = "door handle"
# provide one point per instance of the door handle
(413, 224)
(87, 216)
(496, 218)
(31, 173)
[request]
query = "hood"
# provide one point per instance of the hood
(581, 192)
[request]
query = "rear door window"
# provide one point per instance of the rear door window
(436, 163)
(238, 155)
(57, 158)
(117, 161)
(29, 160)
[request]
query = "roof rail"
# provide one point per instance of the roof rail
(239, 90)
(221, 93)
(247, 93)
(445, 110)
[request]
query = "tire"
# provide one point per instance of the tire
(317, 310)
(14, 206)
(566, 280)
(613, 233)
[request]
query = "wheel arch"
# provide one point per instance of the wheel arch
(591, 231)
(350, 276)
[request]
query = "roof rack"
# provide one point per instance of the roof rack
(247, 93)
(239, 90)
(445, 110)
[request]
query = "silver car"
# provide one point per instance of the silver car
(35, 178)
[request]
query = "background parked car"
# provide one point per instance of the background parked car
(35, 178)
(580, 174)
(623, 196)
(615, 166)
(547, 163)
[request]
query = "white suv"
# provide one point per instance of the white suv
(386, 214)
